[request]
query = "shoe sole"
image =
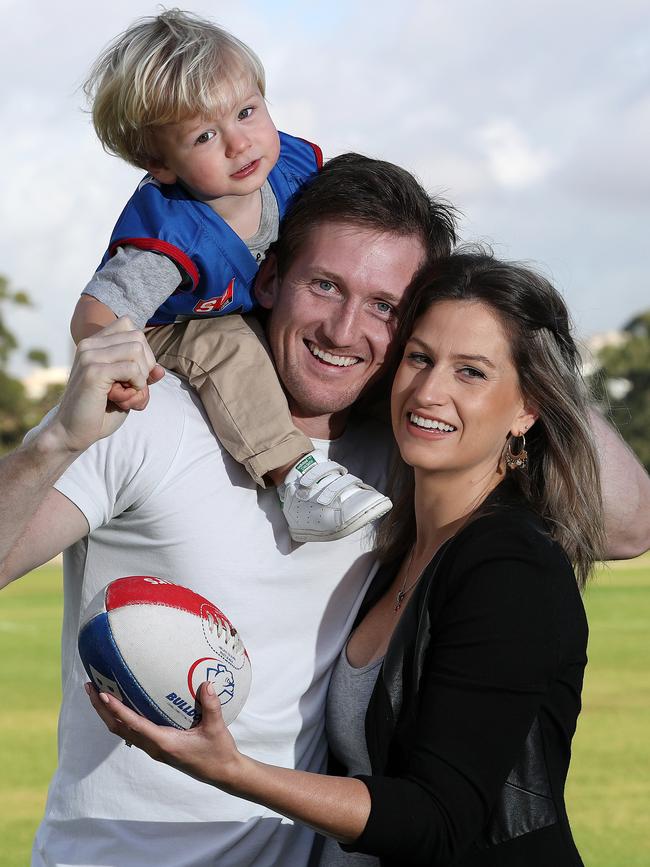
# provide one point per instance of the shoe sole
(371, 514)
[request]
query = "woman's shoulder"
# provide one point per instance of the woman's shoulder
(501, 524)
(508, 536)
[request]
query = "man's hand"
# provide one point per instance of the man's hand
(118, 355)
(36, 521)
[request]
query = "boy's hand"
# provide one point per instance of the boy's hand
(125, 397)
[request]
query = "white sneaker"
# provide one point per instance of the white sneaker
(322, 501)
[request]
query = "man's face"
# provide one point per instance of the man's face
(333, 315)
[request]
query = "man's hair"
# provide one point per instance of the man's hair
(161, 70)
(562, 481)
(371, 194)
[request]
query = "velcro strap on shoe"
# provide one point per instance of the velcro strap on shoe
(337, 486)
(317, 472)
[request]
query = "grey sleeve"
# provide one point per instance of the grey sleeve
(135, 283)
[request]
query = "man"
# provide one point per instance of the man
(160, 497)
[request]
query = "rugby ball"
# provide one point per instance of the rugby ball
(152, 643)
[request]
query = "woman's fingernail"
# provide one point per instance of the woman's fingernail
(103, 697)
(209, 688)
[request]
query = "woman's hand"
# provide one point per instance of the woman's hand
(206, 752)
(336, 806)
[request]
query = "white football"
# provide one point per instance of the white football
(152, 643)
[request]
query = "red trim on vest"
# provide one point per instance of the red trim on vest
(318, 153)
(158, 246)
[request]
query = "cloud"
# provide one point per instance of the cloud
(533, 118)
(511, 159)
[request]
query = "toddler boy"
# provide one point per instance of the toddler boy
(184, 100)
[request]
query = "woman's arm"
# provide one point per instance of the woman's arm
(336, 806)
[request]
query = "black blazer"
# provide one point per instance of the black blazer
(470, 723)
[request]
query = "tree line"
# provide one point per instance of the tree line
(18, 412)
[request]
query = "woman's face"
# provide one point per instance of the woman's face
(456, 395)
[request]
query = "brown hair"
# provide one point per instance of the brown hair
(562, 482)
(374, 194)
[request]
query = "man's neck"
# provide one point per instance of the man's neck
(329, 426)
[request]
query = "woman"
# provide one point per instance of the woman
(475, 626)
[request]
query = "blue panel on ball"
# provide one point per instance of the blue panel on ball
(98, 649)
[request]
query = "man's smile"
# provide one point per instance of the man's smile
(330, 357)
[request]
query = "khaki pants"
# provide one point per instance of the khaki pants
(227, 361)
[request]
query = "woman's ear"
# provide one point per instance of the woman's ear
(524, 420)
(266, 282)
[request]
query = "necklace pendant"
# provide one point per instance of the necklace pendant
(400, 597)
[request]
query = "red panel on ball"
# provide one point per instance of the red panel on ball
(144, 589)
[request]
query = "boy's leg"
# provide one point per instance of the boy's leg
(227, 361)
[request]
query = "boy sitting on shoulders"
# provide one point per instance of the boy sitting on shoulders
(184, 100)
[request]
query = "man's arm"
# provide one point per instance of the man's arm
(626, 493)
(37, 522)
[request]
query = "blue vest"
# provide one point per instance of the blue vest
(218, 264)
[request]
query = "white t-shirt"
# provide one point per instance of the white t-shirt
(162, 498)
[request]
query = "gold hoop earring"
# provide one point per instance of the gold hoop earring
(517, 460)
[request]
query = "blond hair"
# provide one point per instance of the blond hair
(162, 70)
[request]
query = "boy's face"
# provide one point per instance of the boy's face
(229, 154)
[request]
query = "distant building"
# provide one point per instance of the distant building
(617, 387)
(591, 346)
(36, 383)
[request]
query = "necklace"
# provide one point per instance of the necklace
(401, 593)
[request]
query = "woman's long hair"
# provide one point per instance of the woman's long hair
(562, 481)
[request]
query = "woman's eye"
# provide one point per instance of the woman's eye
(205, 136)
(472, 373)
(418, 357)
(245, 112)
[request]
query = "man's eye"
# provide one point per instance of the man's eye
(385, 308)
(245, 112)
(326, 285)
(205, 136)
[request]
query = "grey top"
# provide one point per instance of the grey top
(347, 702)
(135, 282)
(267, 232)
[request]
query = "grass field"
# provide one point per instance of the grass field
(609, 786)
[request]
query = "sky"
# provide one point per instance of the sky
(532, 118)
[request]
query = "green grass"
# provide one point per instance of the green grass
(608, 792)
(30, 618)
